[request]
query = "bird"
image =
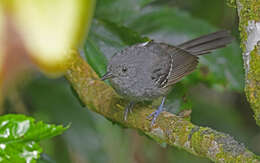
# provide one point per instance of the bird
(147, 71)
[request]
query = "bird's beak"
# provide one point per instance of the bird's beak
(108, 75)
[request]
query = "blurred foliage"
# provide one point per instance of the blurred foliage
(214, 90)
(20, 136)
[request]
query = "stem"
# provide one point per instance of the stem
(168, 129)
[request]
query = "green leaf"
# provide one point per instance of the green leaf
(126, 35)
(118, 10)
(144, 3)
(20, 136)
(94, 55)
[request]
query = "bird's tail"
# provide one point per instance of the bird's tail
(205, 44)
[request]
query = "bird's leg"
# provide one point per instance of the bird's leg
(128, 109)
(156, 113)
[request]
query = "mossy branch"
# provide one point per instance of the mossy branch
(249, 25)
(169, 128)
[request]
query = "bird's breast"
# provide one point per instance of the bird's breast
(139, 88)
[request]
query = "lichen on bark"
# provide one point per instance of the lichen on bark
(253, 86)
(248, 10)
(249, 26)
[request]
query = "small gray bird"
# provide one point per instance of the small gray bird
(146, 71)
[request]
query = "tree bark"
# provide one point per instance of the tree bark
(249, 26)
(169, 128)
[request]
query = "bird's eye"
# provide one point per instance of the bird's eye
(124, 69)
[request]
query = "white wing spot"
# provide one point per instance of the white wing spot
(170, 71)
(144, 44)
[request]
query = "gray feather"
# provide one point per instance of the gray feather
(205, 44)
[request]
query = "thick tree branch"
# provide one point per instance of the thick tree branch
(169, 128)
(249, 25)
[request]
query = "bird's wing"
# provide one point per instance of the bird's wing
(181, 64)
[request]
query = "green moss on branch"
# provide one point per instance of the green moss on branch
(169, 128)
(249, 19)
(247, 10)
(253, 85)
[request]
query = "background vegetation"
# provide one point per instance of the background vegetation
(214, 91)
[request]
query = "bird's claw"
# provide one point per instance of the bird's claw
(126, 113)
(128, 109)
(154, 114)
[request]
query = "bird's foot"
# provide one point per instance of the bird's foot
(156, 113)
(128, 109)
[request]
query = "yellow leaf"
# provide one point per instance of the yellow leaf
(51, 29)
